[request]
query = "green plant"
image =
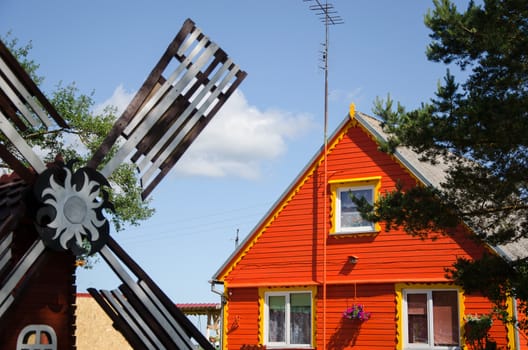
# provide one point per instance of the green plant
(356, 312)
(476, 331)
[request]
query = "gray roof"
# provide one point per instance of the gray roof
(434, 175)
(427, 173)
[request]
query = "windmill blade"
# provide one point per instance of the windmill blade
(143, 312)
(22, 146)
(132, 323)
(19, 273)
(22, 107)
(168, 113)
(5, 250)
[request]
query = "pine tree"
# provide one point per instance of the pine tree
(479, 128)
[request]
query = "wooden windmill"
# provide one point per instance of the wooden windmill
(49, 211)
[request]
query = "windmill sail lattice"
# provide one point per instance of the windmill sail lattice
(172, 107)
(186, 88)
(22, 107)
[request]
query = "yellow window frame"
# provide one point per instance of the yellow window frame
(294, 289)
(335, 185)
(400, 287)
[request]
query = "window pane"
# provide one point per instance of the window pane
(417, 318)
(445, 317)
(30, 338)
(350, 217)
(277, 318)
(300, 318)
(45, 338)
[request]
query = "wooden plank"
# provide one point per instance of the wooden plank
(189, 138)
(118, 323)
(152, 312)
(187, 123)
(141, 96)
(30, 85)
(132, 319)
(166, 115)
(18, 167)
(147, 304)
(167, 128)
(21, 98)
(5, 250)
(11, 112)
(21, 145)
(19, 272)
(168, 339)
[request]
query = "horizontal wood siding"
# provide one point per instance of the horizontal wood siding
(377, 333)
(292, 248)
(242, 318)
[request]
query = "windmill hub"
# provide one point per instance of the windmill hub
(71, 208)
(75, 210)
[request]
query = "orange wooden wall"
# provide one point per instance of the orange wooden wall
(292, 246)
(243, 318)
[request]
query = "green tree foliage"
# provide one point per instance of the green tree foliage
(479, 129)
(87, 131)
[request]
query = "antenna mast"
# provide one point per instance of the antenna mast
(328, 16)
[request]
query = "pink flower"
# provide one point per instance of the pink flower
(356, 312)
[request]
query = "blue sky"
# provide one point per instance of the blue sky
(264, 135)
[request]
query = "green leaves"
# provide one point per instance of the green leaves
(86, 134)
(478, 129)
(418, 210)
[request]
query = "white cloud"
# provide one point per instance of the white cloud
(236, 141)
(119, 99)
(239, 138)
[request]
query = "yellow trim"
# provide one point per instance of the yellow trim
(355, 182)
(399, 287)
(509, 325)
(262, 301)
(281, 205)
(352, 110)
(225, 313)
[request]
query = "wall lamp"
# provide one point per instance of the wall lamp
(352, 259)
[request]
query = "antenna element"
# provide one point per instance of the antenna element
(328, 16)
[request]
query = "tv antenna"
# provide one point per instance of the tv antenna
(329, 17)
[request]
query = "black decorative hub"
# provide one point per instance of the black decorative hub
(70, 215)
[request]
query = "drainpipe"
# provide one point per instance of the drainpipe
(222, 303)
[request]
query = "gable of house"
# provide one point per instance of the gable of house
(301, 249)
(288, 243)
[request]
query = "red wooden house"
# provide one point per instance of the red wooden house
(312, 257)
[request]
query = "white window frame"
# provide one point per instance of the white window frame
(36, 330)
(286, 343)
(430, 326)
(358, 229)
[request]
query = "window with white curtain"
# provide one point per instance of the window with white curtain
(288, 319)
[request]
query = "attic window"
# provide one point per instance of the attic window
(346, 218)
